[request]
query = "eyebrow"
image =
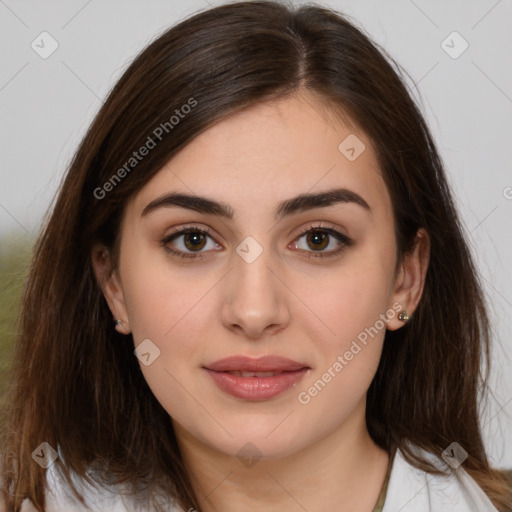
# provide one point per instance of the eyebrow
(300, 203)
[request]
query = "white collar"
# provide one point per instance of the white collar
(414, 490)
(409, 490)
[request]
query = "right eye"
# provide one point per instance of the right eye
(189, 242)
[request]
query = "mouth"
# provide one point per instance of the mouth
(264, 364)
(239, 373)
(256, 379)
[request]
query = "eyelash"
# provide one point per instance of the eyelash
(345, 241)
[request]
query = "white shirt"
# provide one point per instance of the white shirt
(409, 490)
(413, 490)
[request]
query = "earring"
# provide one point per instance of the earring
(403, 316)
(118, 323)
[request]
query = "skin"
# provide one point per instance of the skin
(316, 456)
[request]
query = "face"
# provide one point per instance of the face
(260, 274)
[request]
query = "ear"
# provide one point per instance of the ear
(410, 279)
(110, 284)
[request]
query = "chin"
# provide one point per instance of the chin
(263, 441)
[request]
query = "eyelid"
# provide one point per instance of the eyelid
(185, 227)
(320, 226)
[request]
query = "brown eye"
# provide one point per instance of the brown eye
(189, 243)
(317, 240)
(194, 240)
(322, 242)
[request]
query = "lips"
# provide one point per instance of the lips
(256, 379)
(270, 363)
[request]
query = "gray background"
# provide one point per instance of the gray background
(47, 104)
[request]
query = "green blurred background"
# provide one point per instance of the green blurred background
(15, 254)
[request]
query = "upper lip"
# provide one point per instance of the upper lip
(262, 364)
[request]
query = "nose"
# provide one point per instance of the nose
(255, 298)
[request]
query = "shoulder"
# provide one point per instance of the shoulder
(411, 489)
(59, 497)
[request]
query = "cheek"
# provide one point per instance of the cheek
(162, 297)
(354, 320)
(177, 323)
(349, 299)
(348, 355)
(353, 308)
(172, 308)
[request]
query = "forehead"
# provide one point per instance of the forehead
(270, 152)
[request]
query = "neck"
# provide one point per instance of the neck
(343, 471)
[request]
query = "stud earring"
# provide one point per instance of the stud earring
(403, 316)
(118, 323)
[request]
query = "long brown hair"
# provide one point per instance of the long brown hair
(76, 383)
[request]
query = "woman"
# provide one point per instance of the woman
(253, 292)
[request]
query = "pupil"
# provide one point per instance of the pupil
(319, 240)
(194, 240)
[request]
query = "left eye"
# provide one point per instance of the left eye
(322, 241)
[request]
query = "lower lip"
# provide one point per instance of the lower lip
(256, 388)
